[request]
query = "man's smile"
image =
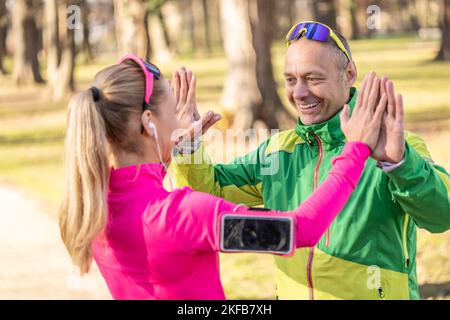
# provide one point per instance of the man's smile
(309, 108)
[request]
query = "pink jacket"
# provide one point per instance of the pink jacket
(164, 245)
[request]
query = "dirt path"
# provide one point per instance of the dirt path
(33, 260)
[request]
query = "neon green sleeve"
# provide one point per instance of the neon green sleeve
(421, 187)
(238, 181)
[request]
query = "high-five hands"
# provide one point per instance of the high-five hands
(391, 144)
(184, 87)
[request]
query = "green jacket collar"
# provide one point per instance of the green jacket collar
(329, 132)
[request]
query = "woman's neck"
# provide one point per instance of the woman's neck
(123, 159)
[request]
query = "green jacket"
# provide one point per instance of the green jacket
(369, 250)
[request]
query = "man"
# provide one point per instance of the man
(369, 251)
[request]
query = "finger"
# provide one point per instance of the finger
(172, 81)
(359, 98)
(216, 118)
(207, 116)
(192, 94)
(198, 128)
(391, 98)
(373, 96)
(381, 108)
(183, 87)
(344, 116)
(189, 75)
(370, 81)
(383, 82)
(362, 95)
(399, 111)
(176, 85)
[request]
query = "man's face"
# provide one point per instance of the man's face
(314, 84)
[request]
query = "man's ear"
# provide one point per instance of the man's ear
(350, 74)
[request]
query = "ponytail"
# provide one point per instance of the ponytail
(92, 128)
(83, 210)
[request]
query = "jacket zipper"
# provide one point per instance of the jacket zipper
(315, 184)
(405, 242)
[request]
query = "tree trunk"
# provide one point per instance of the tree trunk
(163, 24)
(354, 20)
(3, 30)
(325, 12)
(26, 64)
(200, 27)
(159, 39)
(250, 88)
(215, 25)
(189, 23)
(207, 26)
(61, 53)
(172, 15)
(359, 16)
(52, 40)
(87, 48)
(444, 51)
(65, 75)
(132, 27)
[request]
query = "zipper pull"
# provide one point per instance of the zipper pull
(407, 263)
(381, 293)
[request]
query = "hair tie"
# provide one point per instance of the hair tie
(95, 93)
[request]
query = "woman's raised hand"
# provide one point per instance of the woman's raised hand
(365, 122)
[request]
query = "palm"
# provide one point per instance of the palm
(391, 137)
(391, 143)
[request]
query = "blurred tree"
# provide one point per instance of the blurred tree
(172, 15)
(3, 30)
(51, 35)
(87, 48)
(132, 27)
(286, 17)
(358, 16)
(325, 12)
(444, 51)
(214, 25)
(26, 46)
(250, 90)
(158, 33)
(61, 51)
(189, 23)
(356, 34)
(200, 25)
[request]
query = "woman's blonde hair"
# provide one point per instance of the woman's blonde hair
(93, 127)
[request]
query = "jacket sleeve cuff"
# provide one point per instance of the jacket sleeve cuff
(389, 166)
(402, 173)
(198, 156)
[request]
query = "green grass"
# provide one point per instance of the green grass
(32, 130)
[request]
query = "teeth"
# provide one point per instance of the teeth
(309, 106)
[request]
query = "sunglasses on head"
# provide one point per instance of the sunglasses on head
(315, 31)
(150, 71)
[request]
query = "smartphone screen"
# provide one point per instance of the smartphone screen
(256, 234)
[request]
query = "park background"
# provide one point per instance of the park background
(50, 49)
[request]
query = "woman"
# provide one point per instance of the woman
(150, 243)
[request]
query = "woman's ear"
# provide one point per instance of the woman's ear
(351, 74)
(146, 119)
